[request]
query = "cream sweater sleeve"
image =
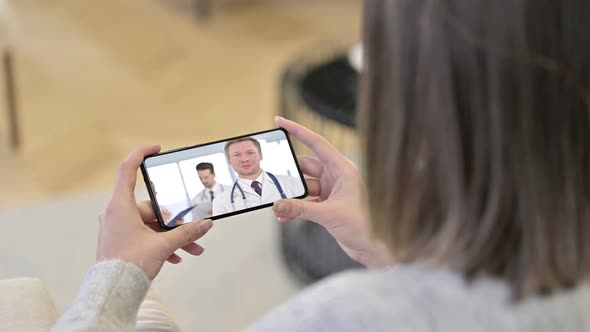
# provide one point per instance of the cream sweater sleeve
(108, 300)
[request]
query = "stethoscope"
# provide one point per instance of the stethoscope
(184, 212)
(272, 177)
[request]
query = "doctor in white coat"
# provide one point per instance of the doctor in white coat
(254, 186)
(204, 199)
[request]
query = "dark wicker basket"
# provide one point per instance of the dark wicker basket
(319, 90)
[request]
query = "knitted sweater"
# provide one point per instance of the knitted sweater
(407, 298)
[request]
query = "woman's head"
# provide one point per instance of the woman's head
(477, 122)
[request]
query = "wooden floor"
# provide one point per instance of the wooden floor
(97, 78)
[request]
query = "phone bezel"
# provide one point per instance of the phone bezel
(154, 201)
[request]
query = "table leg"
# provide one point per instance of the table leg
(10, 95)
(202, 9)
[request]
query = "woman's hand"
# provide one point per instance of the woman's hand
(130, 232)
(340, 192)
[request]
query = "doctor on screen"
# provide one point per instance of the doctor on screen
(204, 199)
(254, 186)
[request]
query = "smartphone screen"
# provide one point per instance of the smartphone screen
(223, 178)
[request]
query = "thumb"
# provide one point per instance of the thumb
(187, 233)
(297, 208)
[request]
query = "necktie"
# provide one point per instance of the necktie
(212, 195)
(257, 188)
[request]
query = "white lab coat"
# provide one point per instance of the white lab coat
(292, 187)
(203, 201)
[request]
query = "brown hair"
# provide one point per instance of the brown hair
(477, 122)
(203, 166)
(243, 139)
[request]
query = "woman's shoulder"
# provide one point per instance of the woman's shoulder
(414, 282)
(418, 298)
(372, 300)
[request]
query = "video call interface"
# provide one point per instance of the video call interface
(225, 177)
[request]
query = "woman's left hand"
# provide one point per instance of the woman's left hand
(127, 230)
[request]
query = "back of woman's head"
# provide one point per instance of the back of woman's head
(477, 124)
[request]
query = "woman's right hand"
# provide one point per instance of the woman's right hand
(340, 192)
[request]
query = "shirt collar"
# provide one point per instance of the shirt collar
(248, 182)
(215, 187)
(207, 190)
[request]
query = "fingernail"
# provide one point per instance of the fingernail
(206, 224)
(278, 117)
(280, 207)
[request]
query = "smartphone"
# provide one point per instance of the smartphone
(223, 178)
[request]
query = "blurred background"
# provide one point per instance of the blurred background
(85, 82)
